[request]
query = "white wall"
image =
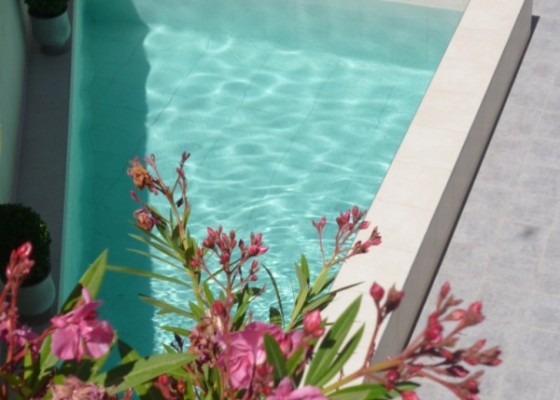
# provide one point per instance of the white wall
(12, 70)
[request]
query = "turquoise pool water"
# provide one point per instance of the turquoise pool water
(291, 110)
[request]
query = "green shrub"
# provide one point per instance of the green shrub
(46, 8)
(19, 224)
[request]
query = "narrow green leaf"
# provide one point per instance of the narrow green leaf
(331, 344)
(151, 238)
(342, 357)
(137, 372)
(168, 349)
(319, 284)
(274, 316)
(276, 292)
(165, 308)
(91, 279)
(365, 391)
(156, 257)
(407, 386)
(208, 293)
(196, 310)
(294, 361)
(305, 269)
(82, 369)
(302, 273)
(163, 248)
(126, 352)
(275, 358)
(147, 274)
(320, 302)
(174, 329)
(31, 370)
(48, 359)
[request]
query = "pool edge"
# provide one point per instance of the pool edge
(455, 120)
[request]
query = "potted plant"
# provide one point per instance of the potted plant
(50, 24)
(18, 224)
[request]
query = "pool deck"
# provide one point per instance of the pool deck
(504, 250)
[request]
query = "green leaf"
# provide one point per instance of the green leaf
(320, 302)
(321, 282)
(366, 391)
(294, 361)
(165, 308)
(147, 274)
(277, 293)
(302, 272)
(47, 359)
(208, 293)
(275, 358)
(342, 357)
(174, 329)
(331, 344)
(91, 279)
(274, 316)
(162, 248)
(155, 257)
(82, 369)
(406, 386)
(196, 310)
(244, 297)
(31, 370)
(134, 373)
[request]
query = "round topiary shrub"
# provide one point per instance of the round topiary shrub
(18, 224)
(46, 8)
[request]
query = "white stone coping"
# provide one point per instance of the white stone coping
(423, 192)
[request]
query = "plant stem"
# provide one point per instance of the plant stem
(362, 372)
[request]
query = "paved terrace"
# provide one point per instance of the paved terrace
(505, 250)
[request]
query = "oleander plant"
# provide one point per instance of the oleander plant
(226, 353)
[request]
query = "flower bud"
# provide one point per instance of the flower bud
(312, 324)
(376, 292)
(394, 298)
(444, 291)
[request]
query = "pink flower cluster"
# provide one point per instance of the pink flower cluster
(285, 391)
(245, 358)
(79, 333)
(434, 343)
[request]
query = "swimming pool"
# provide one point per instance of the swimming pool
(284, 108)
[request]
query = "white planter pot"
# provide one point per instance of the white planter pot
(36, 299)
(53, 34)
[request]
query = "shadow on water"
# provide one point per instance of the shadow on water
(108, 129)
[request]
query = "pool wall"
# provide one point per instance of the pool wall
(13, 55)
(424, 190)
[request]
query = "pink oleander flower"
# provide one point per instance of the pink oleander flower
(145, 219)
(79, 333)
(74, 389)
(409, 396)
(245, 352)
(140, 175)
(285, 391)
(23, 334)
